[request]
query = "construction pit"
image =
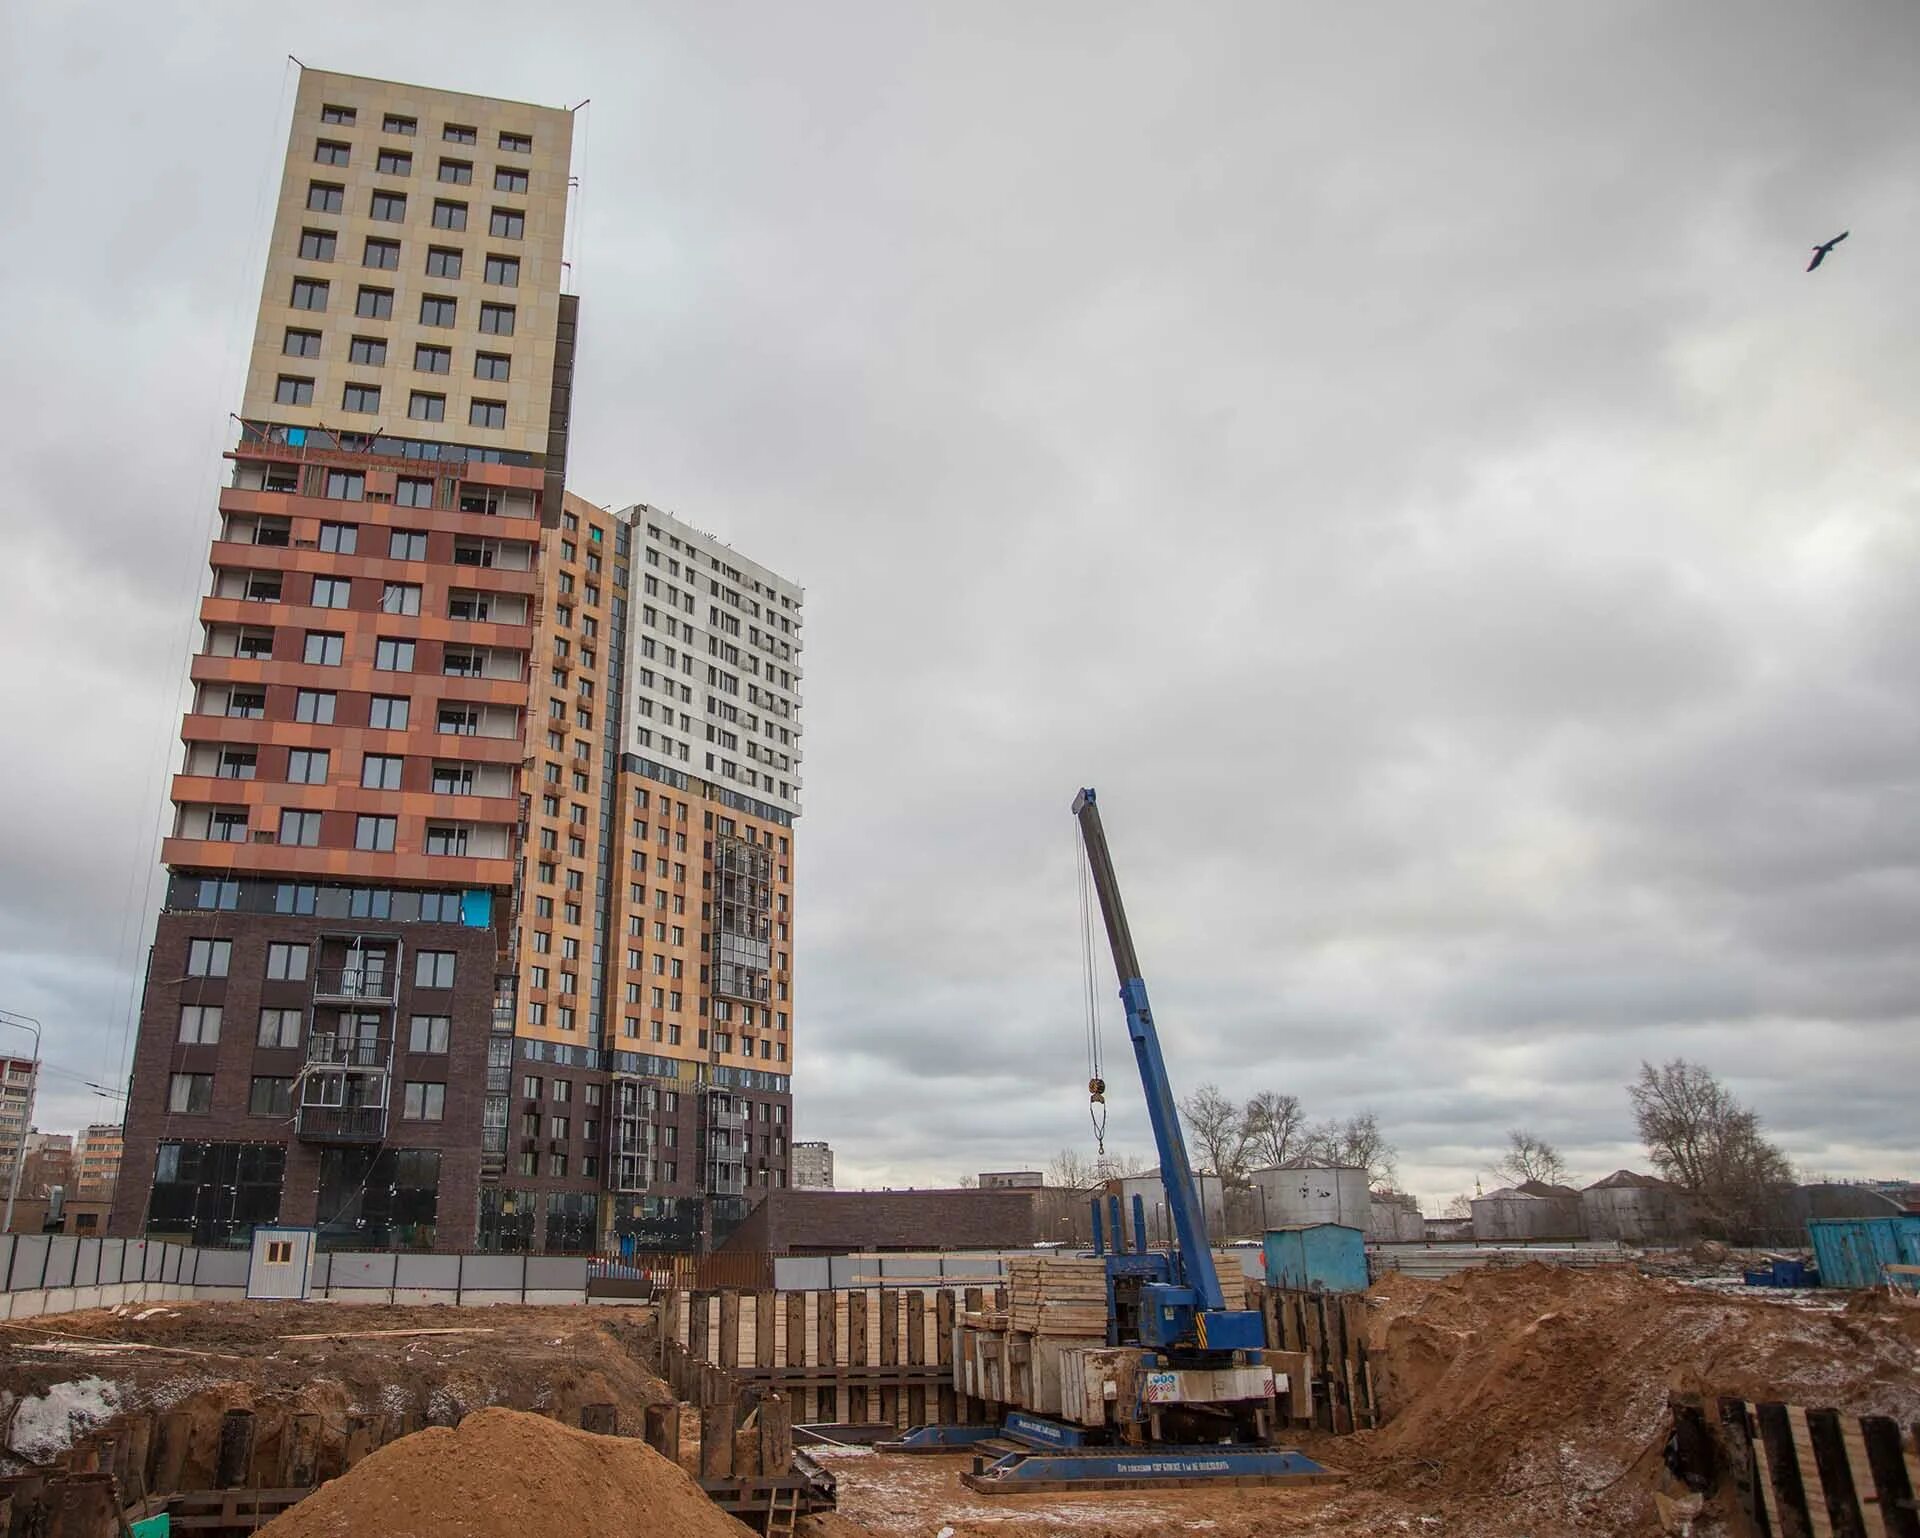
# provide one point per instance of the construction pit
(1526, 1400)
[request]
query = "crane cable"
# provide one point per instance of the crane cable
(1096, 1084)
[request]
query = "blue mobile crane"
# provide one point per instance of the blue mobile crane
(1187, 1393)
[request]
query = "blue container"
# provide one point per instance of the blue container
(1851, 1251)
(1317, 1257)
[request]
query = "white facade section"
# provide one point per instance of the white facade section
(713, 661)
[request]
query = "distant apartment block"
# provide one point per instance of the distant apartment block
(96, 1161)
(17, 1075)
(813, 1166)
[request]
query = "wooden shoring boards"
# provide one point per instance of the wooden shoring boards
(852, 1355)
(1330, 1329)
(1811, 1473)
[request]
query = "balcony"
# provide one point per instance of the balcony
(337, 1051)
(722, 1117)
(356, 985)
(341, 1123)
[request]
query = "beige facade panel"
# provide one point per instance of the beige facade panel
(347, 184)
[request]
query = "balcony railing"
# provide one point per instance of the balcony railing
(341, 1123)
(349, 1051)
(364, 985)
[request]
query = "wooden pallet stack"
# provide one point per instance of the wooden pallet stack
(1328, 1331)
(1057, 1295)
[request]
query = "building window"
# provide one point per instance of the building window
(374, 304)
(393, 123)
(300, 829)
(346, 485)
(492, 365)
(279, 1028)
(369, 350)
(291, 391)
(557, 1166)
(360, 397)
(496, 319)
(307, 766)
(401, 597)
(316, 245)
(301, 344)
(344, 116)
(381, 253)
(425, 407)
(200, 1024)
(388, 713)
(429, 359)
(448, 215)
(487, 414)
(424, 1102)
(331, 152)
(287, 963)
(457, 172)
(507, 224)
(506, 179)
(433, 969)
(247, 704)
(374, 833)
(325, 198)
(459, 133)
(443, 262)
(209, 958)
(429, 1033)
(437, 310)
(380, 771)
(411, 491)
(393, 656)
(453, 779)
(390, 206)
(459, 720)
(504, 270)
(190, 1093)
(443, 838)
(271, 1097)
(309, 294)
(314, 706)
(323, 649)
(516, 144)
(394, 163)
(236, 764)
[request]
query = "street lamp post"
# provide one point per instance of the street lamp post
(21, 1023)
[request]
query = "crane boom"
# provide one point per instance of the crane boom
(1194, 1257)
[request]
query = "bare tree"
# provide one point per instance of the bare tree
(1530, 1157)
(1460, 1206)
(1218, 1131)
(1357, 1142)
(967, 1182)
(1708, 1144)
(1071, 1170)
(1275, 1127)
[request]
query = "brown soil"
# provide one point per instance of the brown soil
(206, 1358)
(506, 1473)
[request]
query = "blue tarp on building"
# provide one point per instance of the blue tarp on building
(1853, 1251)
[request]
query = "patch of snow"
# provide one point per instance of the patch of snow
(945, 1532)
(44, 1425)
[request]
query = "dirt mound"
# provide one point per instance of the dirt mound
(506, 1473)
(1551, 1383)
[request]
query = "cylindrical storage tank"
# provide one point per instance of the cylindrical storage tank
(1314, 1194)
(1506, 1216)
(1635, 1208)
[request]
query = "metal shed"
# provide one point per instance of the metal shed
(1317, 1257)
(1855, 1252)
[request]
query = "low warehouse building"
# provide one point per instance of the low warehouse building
(796, 1222)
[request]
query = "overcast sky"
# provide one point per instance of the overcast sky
(1394, 452)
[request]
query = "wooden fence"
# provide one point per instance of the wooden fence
(860, 1356)
(1330, 1329)
(1801, 1473)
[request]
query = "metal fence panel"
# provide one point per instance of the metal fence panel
(6, 1262)
(493, 1273)
(353, 1268)
(152, 1258)
(552, 1273)
(802, 1273)
(29, 1262)
(440, 1271)
(170, 1258)
(63, 1250)
(220, 1268)
(86, 1264)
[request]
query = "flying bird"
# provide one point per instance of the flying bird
(1820, 251)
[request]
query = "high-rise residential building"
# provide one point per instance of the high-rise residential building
(813, 1166)
(17, 1076)
(336, 938)
(96, 1161)
(478, 930)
